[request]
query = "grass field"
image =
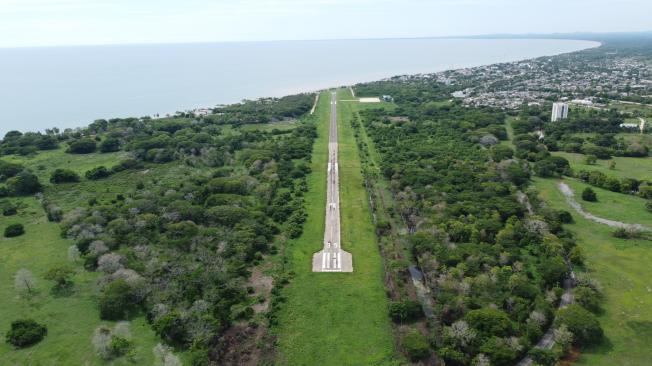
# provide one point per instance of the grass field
(638, 168)
(622, 266)
(611, 205)
(331, 318)
(45, 162)
(71, 319)
(268, 127)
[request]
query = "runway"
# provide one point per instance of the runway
(332, 258)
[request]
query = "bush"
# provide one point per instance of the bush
(416, 346)
(82, 146)
(8, 170)
(14, 230)
(111, 144)
(24, 183)
(648, 206)
(543, 357)
(588, 298)
(64, 176)
(589, 195)
(489, 321)
(407, 310)
(117, 301)
(585, 326)
(25, 332)
(97, 173)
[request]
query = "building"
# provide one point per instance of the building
(559, 111)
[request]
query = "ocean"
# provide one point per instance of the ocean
(69, 87)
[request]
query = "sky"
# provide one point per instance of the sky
(28, 23)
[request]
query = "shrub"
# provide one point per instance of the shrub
(589, 195)
(97, 173)
(64, 176)
(648, 206)
(407, 310)
(543, 357)
(416, 346)
(14, 230)
(117, 301)
(111, 144)
(25, 332)
(24, 183)
(588, 298)
(82, 146)
(8, 170)
(489, 321)
(585, 326)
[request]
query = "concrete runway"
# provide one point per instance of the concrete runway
(332, 258)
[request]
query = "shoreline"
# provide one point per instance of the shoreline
(319, 86)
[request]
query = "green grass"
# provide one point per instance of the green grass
(611, 205)
(336, 318)
(638, 168)
(622, 266)
(268, 127)
(45, 162)
(71, 319)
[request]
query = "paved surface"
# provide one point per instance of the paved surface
(332, 258)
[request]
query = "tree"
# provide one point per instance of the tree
(64, 176)
(563, 337)
(82, 146)
(590, 159)
(416, 346)
(111, 144)
(585, 326)
(24, 282)
(543, 357)
(14, 230)
(97, 173)
(499, 352)
(24, 183)
(25, 332)
(489, 321)
(589, 195)
(117, 301)
(406, 310)
(61, 277)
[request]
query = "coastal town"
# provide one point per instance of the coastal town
(577, 78)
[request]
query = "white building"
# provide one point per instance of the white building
(559, 111)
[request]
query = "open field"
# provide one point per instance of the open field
(47, 161)
(336, 318)
(622, 266)
(70, 319)
(268, 127)
(638, 168)
(611, 205)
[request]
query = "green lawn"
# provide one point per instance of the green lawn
(331, 318)
(45, 162)
(611, 205)
(638, 168)
(71, 319)
(268, 127)
(622, 266)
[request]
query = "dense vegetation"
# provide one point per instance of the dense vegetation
(179, 251)
(495, 263)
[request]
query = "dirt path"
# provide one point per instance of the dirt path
(314, 106)
(570, 198)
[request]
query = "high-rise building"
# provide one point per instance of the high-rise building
(559, 111)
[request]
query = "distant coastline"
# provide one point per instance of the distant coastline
(69, 87)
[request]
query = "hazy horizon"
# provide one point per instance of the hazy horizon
(44, 23)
